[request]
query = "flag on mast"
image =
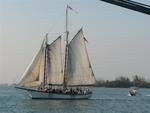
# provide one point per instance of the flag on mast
(69, 7)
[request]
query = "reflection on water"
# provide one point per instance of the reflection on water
(70, 106)
(104, 100)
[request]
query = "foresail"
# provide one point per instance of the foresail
(33, 75)
(54, 63)
(78, 66)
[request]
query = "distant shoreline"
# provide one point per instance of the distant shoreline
(119, 82)
(124, 82)
(101, 86)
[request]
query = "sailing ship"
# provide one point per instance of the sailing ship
(52, 76)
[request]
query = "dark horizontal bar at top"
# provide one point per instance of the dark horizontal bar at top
(139, 7)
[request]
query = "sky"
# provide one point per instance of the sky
(118, 38)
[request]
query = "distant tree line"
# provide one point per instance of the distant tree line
(124, 82)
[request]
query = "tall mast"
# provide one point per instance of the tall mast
(66, 46)
(45, 60)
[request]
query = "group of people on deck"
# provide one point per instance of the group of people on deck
(66, 90)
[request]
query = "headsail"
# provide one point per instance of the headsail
(79, 71)
(33, 75)
(54, 63)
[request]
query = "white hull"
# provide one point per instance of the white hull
(45, 95)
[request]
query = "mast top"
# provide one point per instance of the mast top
(66, 25)
(46, 38)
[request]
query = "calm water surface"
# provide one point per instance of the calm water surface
(104, 100)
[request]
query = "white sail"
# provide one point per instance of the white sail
(35, 71)
(78, 66)
(54, 63)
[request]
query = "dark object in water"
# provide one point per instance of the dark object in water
(132, 91)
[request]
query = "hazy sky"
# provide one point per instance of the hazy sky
(118, 38)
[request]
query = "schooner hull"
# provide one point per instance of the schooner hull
(45, 95)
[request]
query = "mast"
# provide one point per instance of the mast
(45, 60)
(66, 46)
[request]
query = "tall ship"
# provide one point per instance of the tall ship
(53, 75)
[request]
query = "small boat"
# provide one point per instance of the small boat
(132, 91)
(52, 75)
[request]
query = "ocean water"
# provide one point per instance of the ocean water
(104, 100)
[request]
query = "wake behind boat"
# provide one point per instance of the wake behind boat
(52, 76)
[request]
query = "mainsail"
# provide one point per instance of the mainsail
(79, 70)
